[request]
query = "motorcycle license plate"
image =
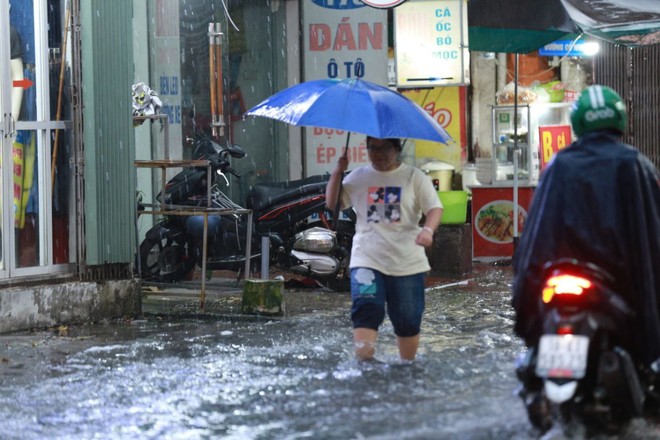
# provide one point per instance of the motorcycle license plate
(562, 356)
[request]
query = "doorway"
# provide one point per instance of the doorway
(37, 202)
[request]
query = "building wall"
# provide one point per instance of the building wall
(108, 134)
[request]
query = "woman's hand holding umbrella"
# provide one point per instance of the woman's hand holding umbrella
(334, 185)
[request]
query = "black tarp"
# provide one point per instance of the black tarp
(598, 201)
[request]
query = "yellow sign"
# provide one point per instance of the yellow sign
(447, 106)
(24, 153)
(553, 138)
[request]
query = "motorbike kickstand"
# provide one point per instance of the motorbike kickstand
(238, 277)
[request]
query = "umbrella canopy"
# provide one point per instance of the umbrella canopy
(522, 26)
(352, 105)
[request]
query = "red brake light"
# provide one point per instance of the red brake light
(564, 284)
(565, 329)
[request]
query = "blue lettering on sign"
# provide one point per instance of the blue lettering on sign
(169, 85)
(164, 85)
(339, 4)
(173, 113)
(174, 89)
(446, 55)
(443, 12)
(440, 27)
(563, 47)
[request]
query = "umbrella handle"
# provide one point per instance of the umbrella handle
(335, 214)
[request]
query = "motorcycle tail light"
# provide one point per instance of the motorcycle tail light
(565, 329)
(564, 284)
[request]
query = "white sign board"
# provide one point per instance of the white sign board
(383, 4)
(343, 39)
(431, 43)
(166, 77)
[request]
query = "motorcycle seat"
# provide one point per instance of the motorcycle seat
(271, 193)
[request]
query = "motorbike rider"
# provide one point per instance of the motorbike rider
(597, 201)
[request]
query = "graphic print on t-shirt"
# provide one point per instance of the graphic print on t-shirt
(384, 204)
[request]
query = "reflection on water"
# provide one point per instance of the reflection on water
(288, 379)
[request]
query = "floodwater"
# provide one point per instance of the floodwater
(289, 378)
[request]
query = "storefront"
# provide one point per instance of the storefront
(53, 218)
(266, 46)
(37, 197)
(522, 140)
(210, 93)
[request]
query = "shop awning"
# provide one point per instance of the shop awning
(522, 26)
(516, 26)
(626, 22)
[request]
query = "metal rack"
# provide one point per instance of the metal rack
(167, 209)
(164, 119)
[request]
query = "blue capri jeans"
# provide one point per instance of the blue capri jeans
(371, 290)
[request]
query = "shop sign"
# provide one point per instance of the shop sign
(569, 48)
(552, 139)
(383, 4)
(341, 44)
(166, 73)
(431, 43)
(493, 219)
(447, 105)
(339, 4)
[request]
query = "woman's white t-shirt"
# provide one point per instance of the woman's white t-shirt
(389, 207)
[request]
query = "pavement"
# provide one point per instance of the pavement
(223, 294)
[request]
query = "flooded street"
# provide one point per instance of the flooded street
(289, 378)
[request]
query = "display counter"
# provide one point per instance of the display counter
(524, 138)
(542, 129)
(492, 216)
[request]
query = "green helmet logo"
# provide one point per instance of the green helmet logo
(598, 108)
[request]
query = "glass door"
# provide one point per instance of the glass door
(8, 51)
(38, 218)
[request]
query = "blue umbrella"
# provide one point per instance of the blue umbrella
(352, 105)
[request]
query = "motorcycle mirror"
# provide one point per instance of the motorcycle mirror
(216, 146)
(236, 151)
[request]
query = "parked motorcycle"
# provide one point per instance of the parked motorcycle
(292, 214)
(582, 368)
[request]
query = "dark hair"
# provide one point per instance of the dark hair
(394, 141)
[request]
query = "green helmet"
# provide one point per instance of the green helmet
(598, 108)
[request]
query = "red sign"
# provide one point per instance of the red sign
(552, 139)
(493, 220)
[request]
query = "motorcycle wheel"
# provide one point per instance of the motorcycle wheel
(538, 411)
(164, 259)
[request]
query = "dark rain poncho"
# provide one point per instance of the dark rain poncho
(598, 201)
